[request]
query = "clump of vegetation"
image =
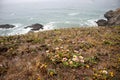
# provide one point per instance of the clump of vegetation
(67, 58)
(102, 74)
(66, 54)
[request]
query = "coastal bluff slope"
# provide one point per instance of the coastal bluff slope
(66, 54)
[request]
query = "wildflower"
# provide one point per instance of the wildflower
(62, 50)
(81, 57)
(76, 51)
(82, 61)
(87, 66)
(47, 51)
(64, 59)
(56, 56)
(48, 44)
(111, 74)
(38, 78)
(52, 72)
(53, 59)
(70, 62)
(94, 69)
(43, 66)
(75, 59)
(60, 40)
(73, 42)
(57, 48)
(61, 47)
(104, 72)
(67, 50)
(74, 56)
(96, 74)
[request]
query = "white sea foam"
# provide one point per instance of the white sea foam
(17, 24)
(49, 26)
(18, 29)
(73, 14)
(91, 22)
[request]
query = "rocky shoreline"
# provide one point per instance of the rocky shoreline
(34, 27)
(113, 18)
(7, 26)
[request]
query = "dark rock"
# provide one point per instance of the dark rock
(35, 27)
(113, 18)
(108, 14)
(6, 26)
(101, 22)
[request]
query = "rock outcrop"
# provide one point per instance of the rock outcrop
(35, 27)
(6, 26)
(113, 18)
(102, 22)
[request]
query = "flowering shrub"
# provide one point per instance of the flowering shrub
(66, 58)
(102, 74)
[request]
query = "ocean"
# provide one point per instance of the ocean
(52, 18)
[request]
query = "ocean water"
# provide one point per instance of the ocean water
(51, 18)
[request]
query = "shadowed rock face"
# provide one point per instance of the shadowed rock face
(102, 22)
(6, 26)
(113, 18)
(35, 27)
(109, 14)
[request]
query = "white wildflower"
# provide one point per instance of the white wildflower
(104, 72)
(81, 57)
(82, 61)
(64, 59)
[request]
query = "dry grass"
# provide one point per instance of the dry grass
(54, 55)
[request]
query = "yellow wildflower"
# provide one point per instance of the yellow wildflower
(74, 56)
(38, 78)
(43, 66)
(96, 74)
(111, 74)
(87, 66)
(51, 73)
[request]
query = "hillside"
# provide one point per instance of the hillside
(65, 54)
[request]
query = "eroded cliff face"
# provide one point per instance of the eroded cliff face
(113, 18)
